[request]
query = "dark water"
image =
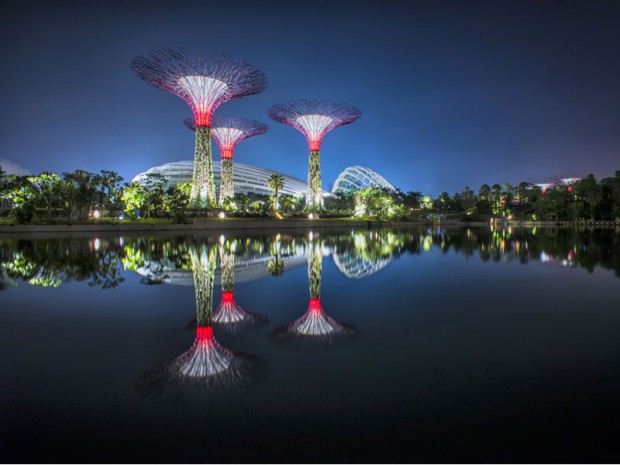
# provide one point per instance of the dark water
(415, 345)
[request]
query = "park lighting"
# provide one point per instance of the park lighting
(222, 215)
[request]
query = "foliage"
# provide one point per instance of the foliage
(276, 184)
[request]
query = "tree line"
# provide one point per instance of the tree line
(585, 199)
(79, 195)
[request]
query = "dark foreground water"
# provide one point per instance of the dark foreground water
(415, 345)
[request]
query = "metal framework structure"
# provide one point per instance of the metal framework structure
(204, 82)
(314, 119)
(227, 133)
(355, 178)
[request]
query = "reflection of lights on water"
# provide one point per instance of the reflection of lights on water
(310, 235)
(96, 244)
(222, 239)
(545, 258)
(121, 241)
(427, 243)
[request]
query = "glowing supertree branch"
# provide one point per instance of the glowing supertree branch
(229, 313)
(227, 133)
(204, 82)
(314, 119)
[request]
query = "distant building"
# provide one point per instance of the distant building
(359, 177)
(544, 186)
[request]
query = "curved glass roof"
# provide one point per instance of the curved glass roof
(359, 177)
(246, 178)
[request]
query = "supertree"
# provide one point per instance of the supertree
(314, 119)
(206, 362)
(227, 133)
(204, 82)
(229, 313)
(315, 324)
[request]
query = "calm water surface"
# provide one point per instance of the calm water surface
(412, 345)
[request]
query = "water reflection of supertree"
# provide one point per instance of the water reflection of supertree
(315, 323)
(229, 313)
(206, 362)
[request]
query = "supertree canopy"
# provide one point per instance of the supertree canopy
(227, 133)
(204, 82)
(314, 119)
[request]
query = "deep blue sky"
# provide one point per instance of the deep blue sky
(453, 93)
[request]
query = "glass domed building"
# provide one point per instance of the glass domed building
(247, 178)
(359, 177)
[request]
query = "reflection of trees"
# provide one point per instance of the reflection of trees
(229, 313)
(48, 263)
(357, 253)
(315, 323)
(206, 363)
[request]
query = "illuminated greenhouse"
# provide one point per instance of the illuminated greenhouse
(248, 179)
(355, 178)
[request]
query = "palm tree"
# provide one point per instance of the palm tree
(275, 183)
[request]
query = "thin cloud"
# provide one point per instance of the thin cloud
(13, 168)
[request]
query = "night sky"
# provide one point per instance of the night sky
(453, 93)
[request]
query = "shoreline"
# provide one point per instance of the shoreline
(272, 224)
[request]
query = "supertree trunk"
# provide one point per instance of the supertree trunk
(315, 265)
(227, 263)
(226, 180)
(203, 187)
(314, 196)
(203, 266)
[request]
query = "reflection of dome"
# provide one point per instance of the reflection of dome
(246, 179)
(359, 177)
(354, 266)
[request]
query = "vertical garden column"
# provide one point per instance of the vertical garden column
(314, 196)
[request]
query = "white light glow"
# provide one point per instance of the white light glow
(314, 125)
(226, 137)
(222, 215)
(204, 91)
